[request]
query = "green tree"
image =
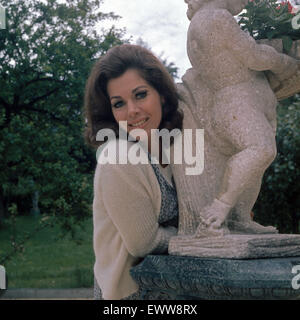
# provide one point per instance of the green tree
(279, 199)
(46, 53)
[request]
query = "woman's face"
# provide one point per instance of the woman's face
(135, 101)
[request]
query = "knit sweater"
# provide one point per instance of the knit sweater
(126, 208)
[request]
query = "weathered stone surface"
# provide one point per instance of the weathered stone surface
(192, 278)
(237, 246)
(227, 93)
(290, 86)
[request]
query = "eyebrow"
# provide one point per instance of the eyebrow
(133, 91)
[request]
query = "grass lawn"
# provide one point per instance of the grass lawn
(48, 261)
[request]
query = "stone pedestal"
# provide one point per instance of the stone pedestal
(237, 246)
(163, 277)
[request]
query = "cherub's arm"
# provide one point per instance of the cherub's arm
(255, 56)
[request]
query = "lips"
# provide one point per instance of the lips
(138, 123)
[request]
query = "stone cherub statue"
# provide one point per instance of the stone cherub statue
(227, 93)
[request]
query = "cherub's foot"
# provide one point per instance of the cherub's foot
(212, 220)
(249, 227)
(215, 214)
(204, 232)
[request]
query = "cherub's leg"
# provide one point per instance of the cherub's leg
(245, 203)
(241, 125)
(251, 135)
(239, 220)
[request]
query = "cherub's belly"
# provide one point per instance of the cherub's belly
(255, 93)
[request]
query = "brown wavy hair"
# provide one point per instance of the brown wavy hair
(97, 107)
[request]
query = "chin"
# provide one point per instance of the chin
(240, 9)
(235, 12)
(189, 14)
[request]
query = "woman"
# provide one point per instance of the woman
(135, 208)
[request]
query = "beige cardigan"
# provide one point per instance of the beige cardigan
(126, 207)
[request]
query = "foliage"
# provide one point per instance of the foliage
(46, 53)
(279, 199)
(268, 19)
(171, 67)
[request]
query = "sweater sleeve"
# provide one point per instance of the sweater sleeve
(130, 194)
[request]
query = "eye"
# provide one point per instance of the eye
(141, 94)
(118, 104)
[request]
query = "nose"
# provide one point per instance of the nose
(132, 109)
